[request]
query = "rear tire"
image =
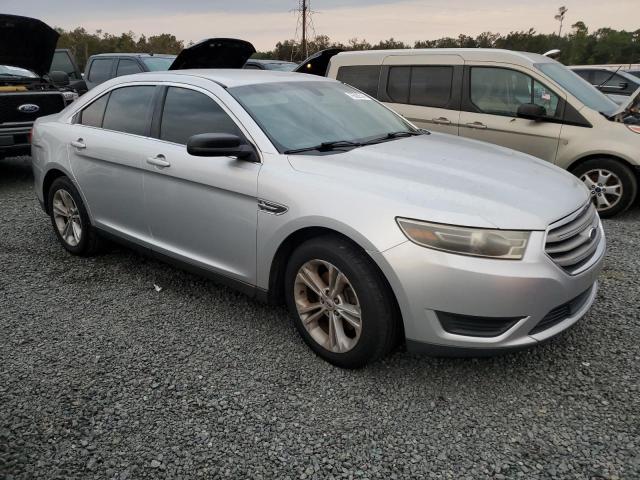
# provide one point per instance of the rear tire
(612, 184)
(70, 220)
(355, 320)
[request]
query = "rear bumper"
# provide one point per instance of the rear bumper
(15, 140)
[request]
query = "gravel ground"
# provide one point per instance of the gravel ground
(101, 376)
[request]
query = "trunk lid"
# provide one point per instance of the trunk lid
(214, 53)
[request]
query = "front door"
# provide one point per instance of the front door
(491, 104)
(202, 210)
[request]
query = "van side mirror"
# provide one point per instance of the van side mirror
(60, 79)
(219, 145)
(531, 111)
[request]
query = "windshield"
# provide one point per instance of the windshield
(9, 71)
(281, 67)
(302, 114)
(579, 88)
(157, 64)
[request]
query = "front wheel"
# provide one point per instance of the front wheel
(340, 303)
(612, 184)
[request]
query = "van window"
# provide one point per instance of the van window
(126, 66)
(204, 114)
(428, 86)
(128, 110)
(362, 77)
(100, 70)
(500, 91)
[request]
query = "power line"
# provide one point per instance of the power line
(304, 24)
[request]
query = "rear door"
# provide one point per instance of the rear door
(491, 97)
(108, 150)
(201, 210)
(424, 88)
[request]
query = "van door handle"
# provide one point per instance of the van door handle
(441, 121)
(158, 161)
(478, 125)
(79, 143)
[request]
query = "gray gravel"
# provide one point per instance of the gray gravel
(101, 376)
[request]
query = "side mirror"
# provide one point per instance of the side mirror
(531, 111)
(61, 79)
(219, 145)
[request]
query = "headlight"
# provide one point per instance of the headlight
(479, 242)
(634, 128)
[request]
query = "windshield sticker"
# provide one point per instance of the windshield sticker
(357, 95)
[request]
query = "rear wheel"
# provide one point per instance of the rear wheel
(340, 303)
(612, 184)
(70, 219)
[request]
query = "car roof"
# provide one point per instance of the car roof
(478, 54)
(229, 77)
(129, 54)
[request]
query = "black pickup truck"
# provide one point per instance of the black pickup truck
(27, 89)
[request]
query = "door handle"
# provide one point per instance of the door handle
(79, 143)
(441, 121)
(477, 125)
(158, 161)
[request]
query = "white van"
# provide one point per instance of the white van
(523, 101)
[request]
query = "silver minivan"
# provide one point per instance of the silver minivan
(523, 101)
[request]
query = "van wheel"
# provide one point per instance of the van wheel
(612, 184)
(70, 219)
(340, 303)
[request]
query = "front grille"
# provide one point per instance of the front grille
(572, 241)
(562, 312)
(48, 103)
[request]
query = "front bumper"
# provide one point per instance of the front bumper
(14, 140)
(427, 281)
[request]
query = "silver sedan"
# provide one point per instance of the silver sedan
(302, 190)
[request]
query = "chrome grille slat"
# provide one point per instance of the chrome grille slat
(573, 240)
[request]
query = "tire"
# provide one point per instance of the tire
(82, 242)
(365, 287)
(593, 172)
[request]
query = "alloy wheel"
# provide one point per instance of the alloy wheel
(605, 187)
(328, 306)
(67, 217)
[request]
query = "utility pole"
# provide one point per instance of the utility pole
(304, 29)
(560, 17)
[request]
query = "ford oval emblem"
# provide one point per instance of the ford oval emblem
(28, 108)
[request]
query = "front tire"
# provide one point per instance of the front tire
(70, 220)
(612, 184)
(340, 303)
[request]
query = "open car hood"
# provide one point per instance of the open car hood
(27, 43)
(630, 106)
(318, 63)
(214, 53)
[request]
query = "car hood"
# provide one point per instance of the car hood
(629, 104)
(446, 179)
(214, 53)
(27, 43)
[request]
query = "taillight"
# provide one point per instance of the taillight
(634, 128)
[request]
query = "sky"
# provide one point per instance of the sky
(264, 22)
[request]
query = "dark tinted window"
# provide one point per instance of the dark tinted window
(398, 84)
(362, 77)
(127, 67)
(93, 114)
(100, 70)
(584, 74)
(431, 86)
(128, 110)
(187, 112)
(62, 63)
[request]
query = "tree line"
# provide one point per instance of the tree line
(578, 47)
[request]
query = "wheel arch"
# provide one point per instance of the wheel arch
(579, 161)
(47, 181)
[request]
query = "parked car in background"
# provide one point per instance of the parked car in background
(302, 190)
(278, 65)
(524, 101)
(634, 72)
(105, 66)
(63, 61)
(615, 83)
(28, 90)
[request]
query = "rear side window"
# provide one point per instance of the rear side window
(92, 115)
(585, 74)
(100, 70)
(128, 110)
(127, 67)
(62, 63)
(428, 86)
(187, 112)
(362, 77)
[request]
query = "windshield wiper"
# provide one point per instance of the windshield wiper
(399, 134)
(326, 146)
